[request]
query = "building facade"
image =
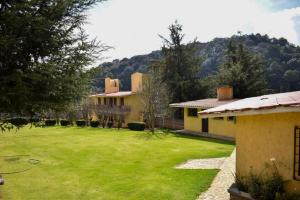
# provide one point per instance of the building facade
(218, 127)
(267, 133)
(113, 101)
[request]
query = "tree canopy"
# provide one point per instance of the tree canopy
(243, 70)
(44, 53)
(181, 66)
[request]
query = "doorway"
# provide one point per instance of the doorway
(205, 125)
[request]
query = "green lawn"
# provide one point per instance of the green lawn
(93, 163)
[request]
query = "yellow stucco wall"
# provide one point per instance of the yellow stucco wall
(192, 123)
(217, 127)
(136, 108)
(222, 127)
(262, 137)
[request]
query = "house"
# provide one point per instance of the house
(218, 127)
(267, 131)
(114, 101)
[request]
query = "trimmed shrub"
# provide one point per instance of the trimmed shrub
(34, 120)
(136, 126)
(95, 123)
(50, 122)
(18, 121)
(65, 122)
(81, 123)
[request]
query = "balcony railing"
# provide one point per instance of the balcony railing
(111, 109)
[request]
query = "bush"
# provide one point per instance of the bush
(81, 123)
(65, 122)
(18, 122)
(95, 123)
(50, 122)
(136, 126)
(34, 120)
(266, 185)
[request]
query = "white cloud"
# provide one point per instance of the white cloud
(132, 26)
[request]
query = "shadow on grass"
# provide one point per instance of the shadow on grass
(194, 137)
(148, 135)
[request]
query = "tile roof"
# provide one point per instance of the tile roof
(202, 103)
(114, 94)
(281, 102)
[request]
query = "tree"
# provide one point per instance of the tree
(181, 66)
(44, 53)
(154, 95)
(243, 70)
(291, 80)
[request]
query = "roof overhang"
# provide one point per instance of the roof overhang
(245, 112)
(187, 106)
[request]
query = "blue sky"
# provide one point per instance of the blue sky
(132, 26)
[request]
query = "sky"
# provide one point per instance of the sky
(131, 27)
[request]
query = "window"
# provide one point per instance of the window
(192, 112)
(218, 118)
(99, 101)
(232, 119)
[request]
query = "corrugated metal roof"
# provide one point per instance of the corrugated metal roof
(114, 94)
(202, 103)
(265, 102)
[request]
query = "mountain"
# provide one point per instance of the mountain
(282, 62)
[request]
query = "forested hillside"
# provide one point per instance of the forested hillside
(282, 62)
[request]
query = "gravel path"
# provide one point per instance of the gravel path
(223, 180)
(211, 163)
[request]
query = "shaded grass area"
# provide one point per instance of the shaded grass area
(94, 163)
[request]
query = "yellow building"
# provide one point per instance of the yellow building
(267, 131)
(219, 127)
(114, 100)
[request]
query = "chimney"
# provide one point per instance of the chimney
(112, 85)
(136, 81)
(225, 93)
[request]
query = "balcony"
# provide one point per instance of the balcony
(108, 110)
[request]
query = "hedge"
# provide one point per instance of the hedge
(81, 123)
(34, 120)
(18, 121)
(136, 126)
(65, 122)
(95, 123)
(50, 122)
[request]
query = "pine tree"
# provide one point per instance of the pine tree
(182, 66)
(243, 70)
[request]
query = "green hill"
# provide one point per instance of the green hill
(282, 62)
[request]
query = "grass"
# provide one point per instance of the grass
(94, 163)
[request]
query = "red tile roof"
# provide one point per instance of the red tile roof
(114, 94)
(264, 104)
(202, 103)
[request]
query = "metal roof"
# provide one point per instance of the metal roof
(202, 103)
(114, 94)
(273, 103)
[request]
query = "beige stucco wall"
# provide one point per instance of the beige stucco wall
(262, 137)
